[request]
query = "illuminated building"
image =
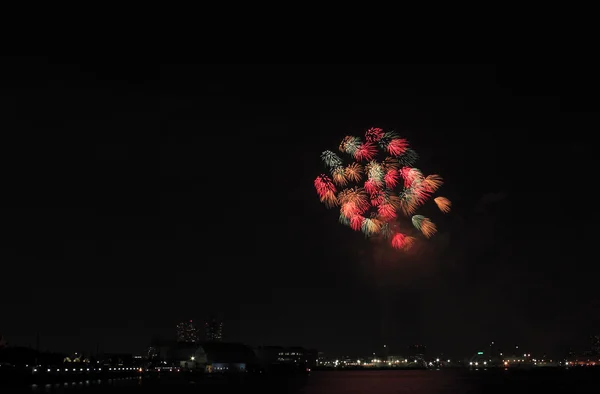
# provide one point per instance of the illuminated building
(417, 352)
(596, 345)
(214, 330)
(187, 332)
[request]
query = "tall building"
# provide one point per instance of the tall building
(214, 329)
(187, 332)
(595, 339)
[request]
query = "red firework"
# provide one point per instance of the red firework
(391, 178)
(398, 240)
(397, 146)
(372, 186)
(410, 175)
(376, 198)
(374, 134)
(324, 185)
(356, 222)
(366, 151)
(386, 211)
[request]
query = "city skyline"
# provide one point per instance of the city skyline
(137, 197)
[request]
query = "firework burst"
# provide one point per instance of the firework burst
(443, 204)
(408, 158)
(388, 189)
(339, 176)
(354, 172)
(365, 151)
(331, 159)
(424, 225)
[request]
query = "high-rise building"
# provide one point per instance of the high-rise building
(187, 332)
(214, 329)
(595, 339)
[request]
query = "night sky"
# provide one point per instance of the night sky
(138, 195)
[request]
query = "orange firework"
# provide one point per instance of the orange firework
(408, 242)
(433, 182)
(428, 228)
(408, 203)
(329, 199)
(443, 204)
(339, 176)
(354, 172)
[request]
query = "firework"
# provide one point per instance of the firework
(386, 211)
(433, 182)
(398, 240)
(408, 202)
(410, 176)
(370, 226)
(353, 172)
(391, 178)
(323, 184)
(443, 204)
(331, 159)
(374, 134)
(339, 176)
(408, 158)
(403, 242)
(385, 230)
(365, 151)
(408, 242)
(350, 144)
(345, 220)
(356, 222)
(397, 146)
(377, 198)
(391, 163)
(424, 225)
(375, 171)
(372, 186)
(391, 191)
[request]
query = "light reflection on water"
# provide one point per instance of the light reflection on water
(360, 382)
(93, 384)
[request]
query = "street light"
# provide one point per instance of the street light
(193, 358)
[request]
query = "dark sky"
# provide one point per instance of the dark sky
(139, 195)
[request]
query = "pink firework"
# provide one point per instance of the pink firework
(421, 192)
(397, 146)
(365, 151)
(323, 184)
(377, 198)
(356, 222)
(374, 134)
(350, 209)
(386, 211)
(398, 240)
(410, 175)
(372, 186)
(391, 178)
